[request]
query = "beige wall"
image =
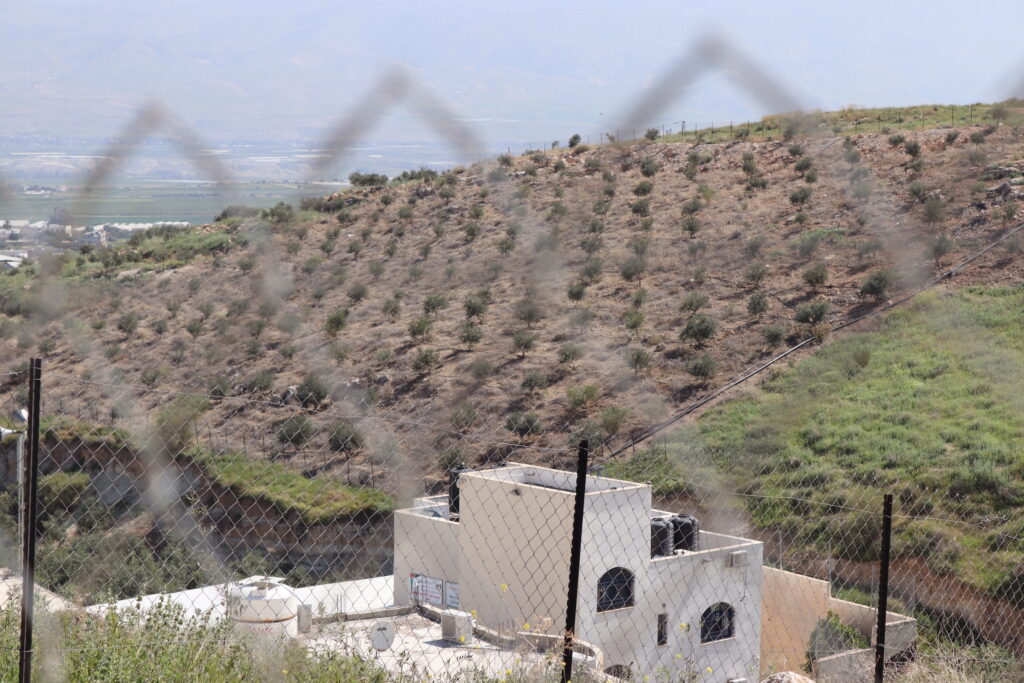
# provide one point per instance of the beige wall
(900, 630)
(428, 546)
(791, 605)
(515, 536)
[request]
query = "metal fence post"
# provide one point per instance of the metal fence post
(28, 514)
(574, 560)
(883, 589)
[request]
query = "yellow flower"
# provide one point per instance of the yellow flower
(508, 672)
(526, 627)
(710, 670)
(504, 587)
(678, 656)
(472, 612)
(683, 625)
(647, 678)
(462, 639)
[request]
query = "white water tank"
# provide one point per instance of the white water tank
(263, 604)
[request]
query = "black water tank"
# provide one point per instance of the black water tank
(661, 537)
(453, 490)
(686, 532)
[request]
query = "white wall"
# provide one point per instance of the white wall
(428, 546)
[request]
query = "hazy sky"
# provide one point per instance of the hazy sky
(521, 71)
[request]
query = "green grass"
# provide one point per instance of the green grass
(852, 120)
(315, 500)
(927, 407)
(167, 645)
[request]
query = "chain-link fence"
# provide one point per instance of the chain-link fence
(692, 566)
(286, 515)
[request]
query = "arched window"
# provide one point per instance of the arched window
(615, 589)
(717, 623)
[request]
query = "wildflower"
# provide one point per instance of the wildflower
(462, 639)
(684, 626)
(504, 587)
(526, 627)
(710, 670)
(678, 656)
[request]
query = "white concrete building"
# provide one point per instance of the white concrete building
(504, 558)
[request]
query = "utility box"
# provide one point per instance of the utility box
(456, 626)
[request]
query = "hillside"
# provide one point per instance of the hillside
(507, 310)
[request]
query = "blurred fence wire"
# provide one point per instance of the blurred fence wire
(316, 530)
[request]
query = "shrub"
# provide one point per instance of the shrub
(756, 274)
(693, 302)
(773, 334)
(523, 424)
(128, 323)
(641, 207)
(574, 140)
(195, 328)
(939, 247)
(699, 328)
(357, 292)
(952, 136)
(795, 150)
(702, 367)
(577, 290)
(481, 369)
(638, 360)
(800, 196)
(918, 191)
(877, 284)
(425, 360)
(691, 225)
(529, 311)
(523, 341)
(335, 322)
(649, 167)
(419, 329)
(692, 206)
(535, 381)
(295, 431)
(934, 210)
(258, 383)
(312, 392)
(913, 148)
(643, 188)
(812, 312)
(633, 268)
(816, 275)
(583, 396)
(591, 270)
(344, 437)
(391, 308)
(475, 305)
(811, 176)
(652, 134)
(802, 165)
(434, 303)
(633, 320)
(470, 333)
(569, 354)
(896, 140)
(757, 304)
(367, 179)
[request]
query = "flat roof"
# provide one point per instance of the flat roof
(545, 477)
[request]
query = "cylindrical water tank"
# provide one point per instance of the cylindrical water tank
(661, 537)
(264, 604)
(686, 532)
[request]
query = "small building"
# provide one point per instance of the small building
(497, 548)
